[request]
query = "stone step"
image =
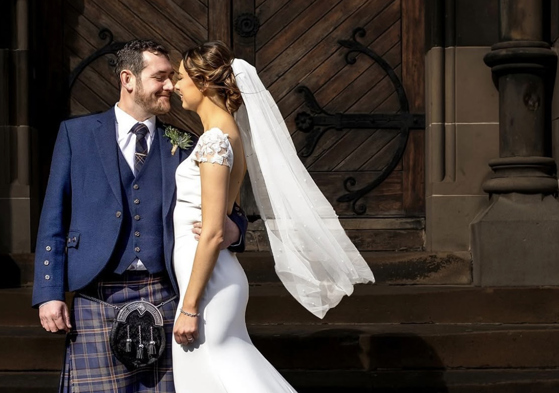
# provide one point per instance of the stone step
(29, 382)
(425, 381)
(336, 381)
(402, 346)
(364, 347)
(272, 304)
(395, 268)
(15, 308)
(30, 349)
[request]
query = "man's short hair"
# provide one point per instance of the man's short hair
(131, 57)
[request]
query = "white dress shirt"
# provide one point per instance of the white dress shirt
(127, 143)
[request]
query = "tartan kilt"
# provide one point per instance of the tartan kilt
(90, 365)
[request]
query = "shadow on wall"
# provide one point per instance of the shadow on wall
(409, 364)
(11, 273)
(368, 360)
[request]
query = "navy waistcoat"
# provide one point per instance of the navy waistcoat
(141, 234)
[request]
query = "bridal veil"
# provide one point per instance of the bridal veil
(314, 258)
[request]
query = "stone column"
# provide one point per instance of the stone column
(17, 203)
(515, 241)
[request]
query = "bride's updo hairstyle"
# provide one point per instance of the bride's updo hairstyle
(209, 67)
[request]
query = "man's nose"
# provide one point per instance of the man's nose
(169, 85)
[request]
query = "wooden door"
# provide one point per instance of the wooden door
(296, 45)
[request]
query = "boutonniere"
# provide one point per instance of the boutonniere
(179, 139)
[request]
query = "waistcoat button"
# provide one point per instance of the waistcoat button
(136, 201)
(118, 214)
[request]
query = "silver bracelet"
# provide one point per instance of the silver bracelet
(189, 314)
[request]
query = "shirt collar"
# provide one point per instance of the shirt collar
(125, 122)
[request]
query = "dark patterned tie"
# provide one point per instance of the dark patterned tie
(141, 131)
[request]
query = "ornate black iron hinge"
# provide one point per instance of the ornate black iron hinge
(319, 121)
(109, 48)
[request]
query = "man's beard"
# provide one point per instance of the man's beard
(150, 104)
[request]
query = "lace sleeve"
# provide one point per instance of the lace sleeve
(214, 147)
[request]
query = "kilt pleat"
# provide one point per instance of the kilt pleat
(90, 365)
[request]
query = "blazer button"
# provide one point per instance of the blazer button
(137, 217)
(137, 249)
(47, 277)
(118, 214)
(137, 234)
(48, 248)
(46, 263)
(136, 201)
(136, 187)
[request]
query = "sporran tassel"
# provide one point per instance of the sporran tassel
(128, 347)
(140, 352)
(151, 345)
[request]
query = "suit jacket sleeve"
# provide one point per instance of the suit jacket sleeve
(50, 254)
(239, 217)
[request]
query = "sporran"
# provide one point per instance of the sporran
(137, 337)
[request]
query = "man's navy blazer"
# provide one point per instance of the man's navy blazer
(82, 211)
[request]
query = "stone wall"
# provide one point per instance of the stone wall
(461, 116)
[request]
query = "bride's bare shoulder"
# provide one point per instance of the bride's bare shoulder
(230, 128)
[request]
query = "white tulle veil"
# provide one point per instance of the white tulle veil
(313, 256)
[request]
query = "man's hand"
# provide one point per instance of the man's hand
(54, 316)
(231, 233)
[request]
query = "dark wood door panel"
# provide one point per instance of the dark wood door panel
(298, 44)
(178, 26)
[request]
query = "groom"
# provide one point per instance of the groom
(106, 227)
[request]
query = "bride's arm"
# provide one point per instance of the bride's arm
(215, 183)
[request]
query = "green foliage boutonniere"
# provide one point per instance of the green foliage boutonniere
(178, 138)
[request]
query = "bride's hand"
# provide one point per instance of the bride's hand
(185, 329)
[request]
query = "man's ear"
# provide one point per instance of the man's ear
(127, 80)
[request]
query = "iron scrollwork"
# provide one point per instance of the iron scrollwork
(319, 121)
(109, 48)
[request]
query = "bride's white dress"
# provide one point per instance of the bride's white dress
(223, 359)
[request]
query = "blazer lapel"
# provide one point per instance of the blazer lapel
(169, 164)
(105, 138)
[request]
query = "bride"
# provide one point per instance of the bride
(315, 260)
